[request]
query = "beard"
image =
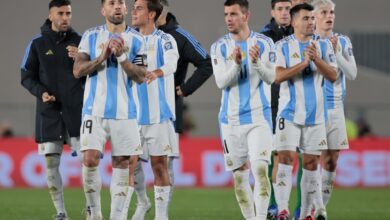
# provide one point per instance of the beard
(116, 20)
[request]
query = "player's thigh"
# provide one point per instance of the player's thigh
(259, 139)
(174, 141)
(234, 145)
(124, 137)
(53, 147)
(287, 135)
(313, 139)
(93, 134)
(336, 130)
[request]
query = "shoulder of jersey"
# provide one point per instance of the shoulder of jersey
(163, 35)
(94, 29)
(261, 36)
(284, 40)
(342, 36)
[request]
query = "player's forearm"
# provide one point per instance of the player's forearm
(284, 74)
(225, 78)
(266, 71)
(326, 70)
(348, 67)
(135, 72)
(83, 68)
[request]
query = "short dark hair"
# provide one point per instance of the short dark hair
(297, 8)
(244, 4)
(164, 3)
(273, 2)
(58, 3)
(156, 6)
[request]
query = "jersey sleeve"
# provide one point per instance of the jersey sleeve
(346, 59)
(171, 54)
(84, 43)
(328, 54)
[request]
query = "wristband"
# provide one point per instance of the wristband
(121, 58)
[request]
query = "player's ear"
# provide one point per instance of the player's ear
(103, 12)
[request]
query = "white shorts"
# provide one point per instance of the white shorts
(336, 130)
(56, 147)
(123, 135)
(243, 142)
(308, 139)
(159, 140)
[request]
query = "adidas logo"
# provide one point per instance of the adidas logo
(264, 194)
(121, 194)
(167, 148)
(281, 184)
(49, 53)
(344, 143)
(53, 189)
(311, 192)
(295, 55)
(91, 191)
(264, 153)
(159, 199)
(322, 143)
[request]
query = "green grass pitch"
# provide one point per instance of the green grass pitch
(191, 204)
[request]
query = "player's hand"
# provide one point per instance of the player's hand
(105, 53)
(150, 76)
(334, 40)
(46, 98)
(178, 91)
(237, 56)
(72, 51)
(254, 53)
(311, 52)
(116, 46)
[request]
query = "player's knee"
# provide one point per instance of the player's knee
(121, 162)
(286, 158)
(310, 163)
(52, 161)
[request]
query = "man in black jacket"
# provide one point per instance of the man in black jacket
(190, 51)
(46, 72)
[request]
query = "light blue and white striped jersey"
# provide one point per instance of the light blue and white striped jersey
(108, 92)
(156, 101)
(336, 91)
(246, 90)
(302, 98)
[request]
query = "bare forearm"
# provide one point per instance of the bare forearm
(326, 70)
(284, 74)
(83, 68)
(135, 72)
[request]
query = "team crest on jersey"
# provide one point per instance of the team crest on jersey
(168, 46)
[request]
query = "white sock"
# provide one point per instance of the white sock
(161, 197)
(54, 182)
(171, 176)
(118, 189)
(309, 191)
(92, 183)
(283, 186)
(140, 185)
(244, 194)
(127, 202)
(262, 188)
(328, 179)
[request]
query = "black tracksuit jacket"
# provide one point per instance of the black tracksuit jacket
(46, 67)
